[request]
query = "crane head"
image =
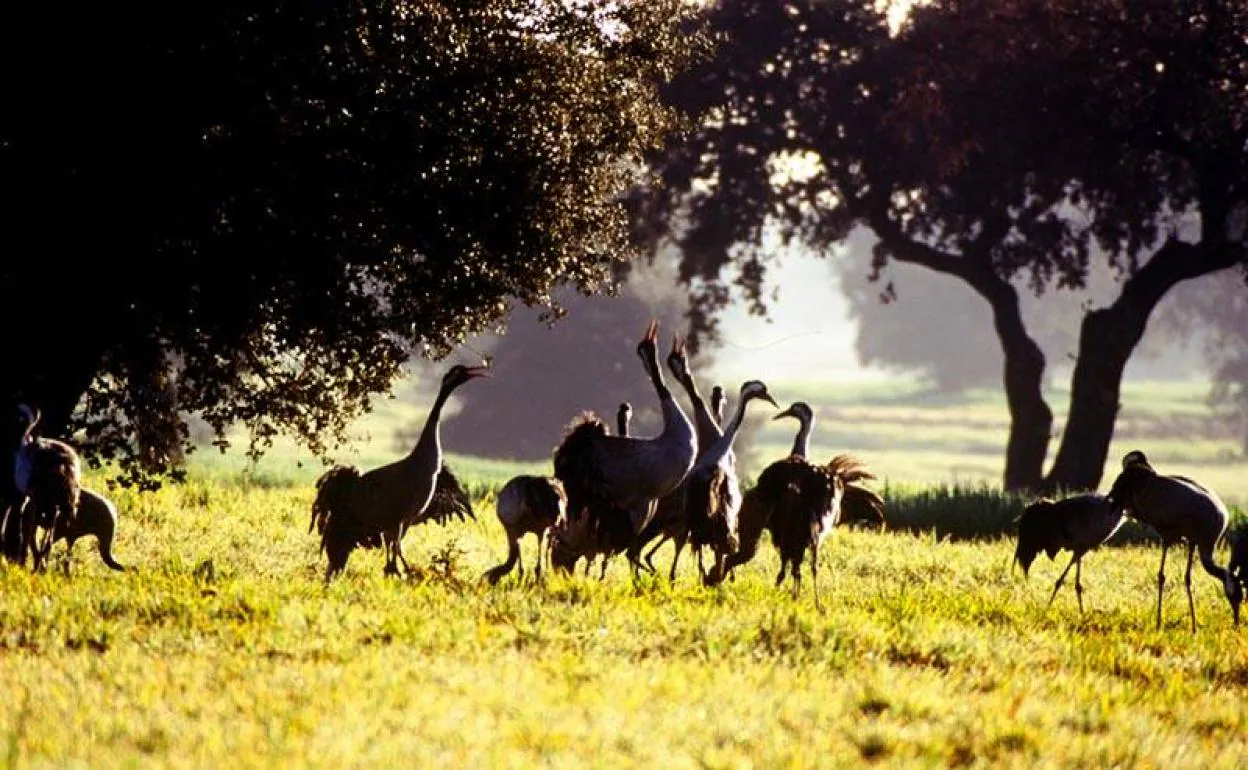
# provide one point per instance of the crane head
(648, 347)
(1134, 457)
(799, 410)
(751, 389)
(1234, 590)
(678, 360)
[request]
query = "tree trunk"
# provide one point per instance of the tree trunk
(1107, 339)
(1031, 419)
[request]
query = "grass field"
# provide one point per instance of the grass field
(223, 647)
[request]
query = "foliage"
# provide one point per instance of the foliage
(224, 646)
(271, 205)
(916, 321)
(991, 141)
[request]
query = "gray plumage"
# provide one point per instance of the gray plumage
(803, 503)
(527, 505)
(609, 478)
(712, 490)
(354, 510)
(1180, 510)
(1077, 524)
(705, 424)
(859, 504)
(671, 520)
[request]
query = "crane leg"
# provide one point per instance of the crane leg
(1079, 583)
(398, 551)
(814, 574)
(649, 557)
(780, 575)
(1061, 579)
(1161, 581)
(541, 536)
(679, 543)
(1187, 581)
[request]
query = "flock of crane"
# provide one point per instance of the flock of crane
(615, 493)
(619, 493)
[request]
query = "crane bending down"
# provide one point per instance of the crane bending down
(616, 481)
(1077, 524)
(1238, 566)
(354, 510)
(1179, 509)
(527, 504)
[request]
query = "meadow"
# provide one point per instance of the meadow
(224, 647)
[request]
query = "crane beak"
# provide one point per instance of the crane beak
(652, 331)
(786, 413)
(767, 397)
(473, 372)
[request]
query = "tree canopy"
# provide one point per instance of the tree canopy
(991, 141)
(256, 211)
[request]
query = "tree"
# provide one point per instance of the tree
(925, 323)
(990, 141)
(268, 205)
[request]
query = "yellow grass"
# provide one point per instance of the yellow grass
(224, 648)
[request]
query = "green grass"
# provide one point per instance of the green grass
(224, 648)
(905, 433)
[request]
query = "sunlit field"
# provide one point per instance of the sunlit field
(224, 647)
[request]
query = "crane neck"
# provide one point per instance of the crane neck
(676, 425)
(705, 423)
(656, 377)
(723, 445)
(801, 443)
(429, 445)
